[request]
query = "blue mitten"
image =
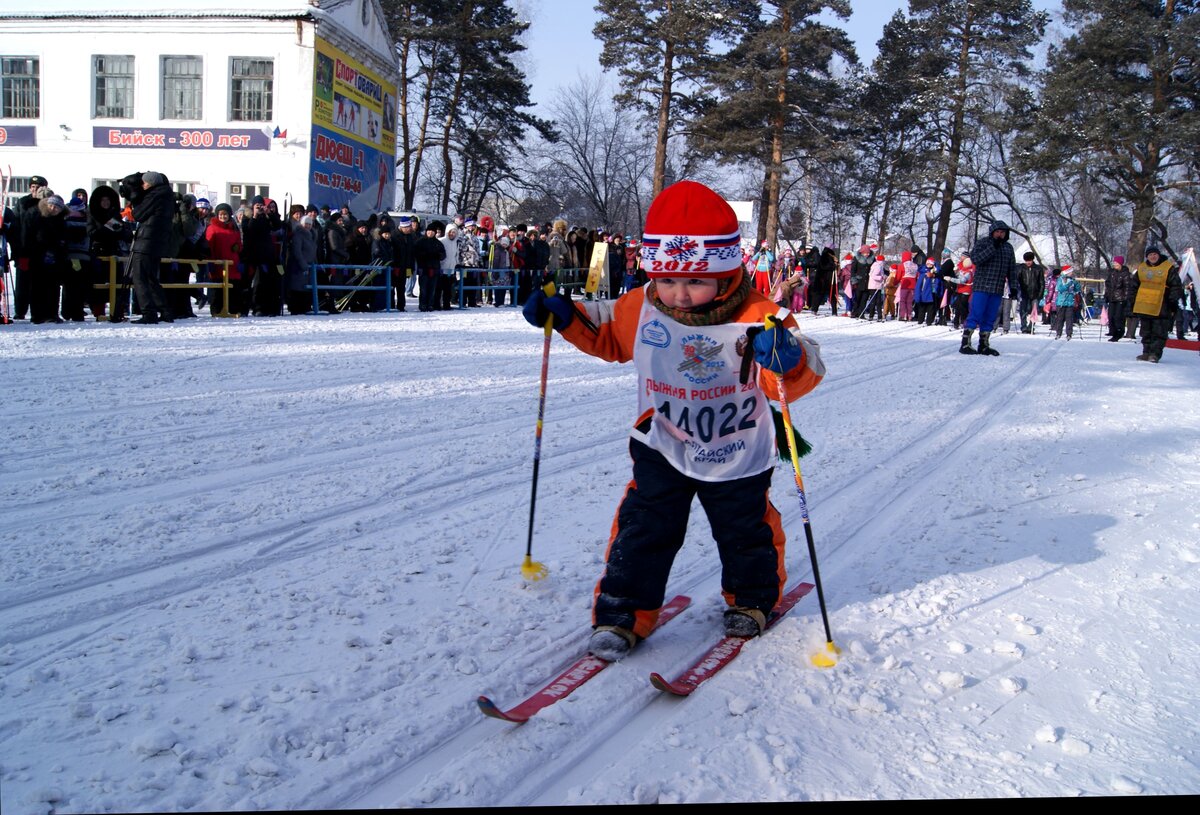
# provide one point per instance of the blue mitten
(777, 350)
(539, 307)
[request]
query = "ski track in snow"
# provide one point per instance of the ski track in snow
(270, 564)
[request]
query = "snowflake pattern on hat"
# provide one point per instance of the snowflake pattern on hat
(690, 230)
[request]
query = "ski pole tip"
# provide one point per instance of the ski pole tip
(532, 570)
(828, 657)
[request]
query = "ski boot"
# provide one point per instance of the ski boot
(984, 348)
(741, 621)
(966, 348)
(610, 642)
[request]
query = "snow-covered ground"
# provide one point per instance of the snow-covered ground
(270, 564)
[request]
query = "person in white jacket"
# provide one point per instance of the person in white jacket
(445, 281)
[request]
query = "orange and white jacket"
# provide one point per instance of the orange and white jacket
(692, 406)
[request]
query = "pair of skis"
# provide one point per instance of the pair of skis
(714, 659)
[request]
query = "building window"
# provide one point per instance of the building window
(20, 88)
(18, 188)
(240, 194)
(114, 87)
(182, 87)
(251, 86)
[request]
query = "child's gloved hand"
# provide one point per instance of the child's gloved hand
(777, 350)
(539, 307)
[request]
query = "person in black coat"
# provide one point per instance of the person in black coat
(403, 240)
(302, 254)
(1031, 279)
(153, 211)
(827, 267)
(946, 270)
(258, 257)
(108, 237)
(1118, 291)
(43, 239)
(358, 246)
(428, 253)
(21, 295)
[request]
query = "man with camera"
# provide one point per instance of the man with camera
(154, 211)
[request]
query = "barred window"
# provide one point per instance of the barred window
(182, 87)
(251, 87)
(113, 81)
(20, 88)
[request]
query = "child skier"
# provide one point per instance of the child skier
(701, 429)
(1066, 293)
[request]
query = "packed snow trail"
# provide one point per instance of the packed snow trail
(269, 564)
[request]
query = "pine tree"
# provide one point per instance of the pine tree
(664, 52)
(982, 41)
(778, 97)
(457, 71)
(896, 127)
(1119, 104)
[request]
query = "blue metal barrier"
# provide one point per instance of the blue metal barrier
(460, 277)
(362, 270)
(565, 279)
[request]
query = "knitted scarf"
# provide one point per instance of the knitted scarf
(720, 310)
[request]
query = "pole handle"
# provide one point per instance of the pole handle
(550, 290)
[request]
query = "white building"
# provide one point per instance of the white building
(1051, 250)
(284, 98)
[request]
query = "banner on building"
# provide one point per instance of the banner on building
(353, 136)
(186, 138)
(18, 136)
(353, 100)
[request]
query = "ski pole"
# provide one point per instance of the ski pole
(822, 660)
(531, 569)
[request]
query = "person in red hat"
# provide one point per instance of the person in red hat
(703, 429)
(761, 262)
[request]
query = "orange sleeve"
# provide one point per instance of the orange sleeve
(616, 322)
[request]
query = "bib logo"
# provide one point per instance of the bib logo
(656, 334)
(700, 363)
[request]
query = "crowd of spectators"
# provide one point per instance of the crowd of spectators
(60, 249)
(923, 289)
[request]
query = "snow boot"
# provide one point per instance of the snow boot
(984, 348)
(966, 348)
(1144, 357)
(741, 621)
(610, 642)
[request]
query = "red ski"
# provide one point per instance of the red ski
(569, 680)
(725, 650)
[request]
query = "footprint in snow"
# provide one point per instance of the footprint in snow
(1075, 747)
(1124, 785)
(1048, 734)
(1007, 648)
(951, 679)
(1012, 684)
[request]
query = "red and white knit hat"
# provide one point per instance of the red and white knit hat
(691, 231)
